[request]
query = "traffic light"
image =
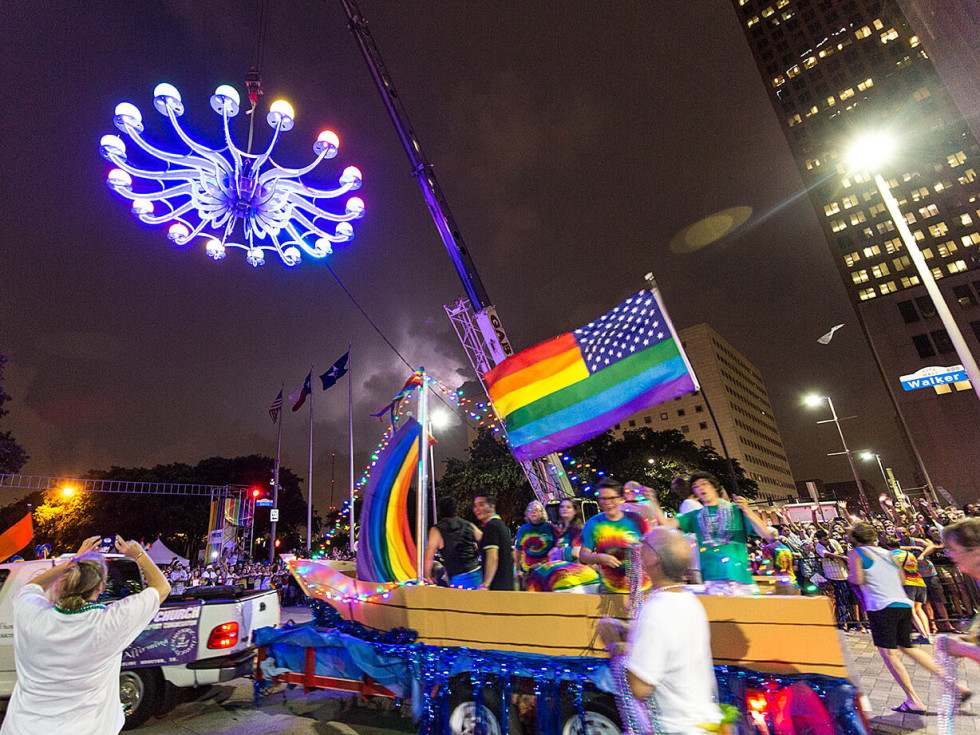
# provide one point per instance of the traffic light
(256, 492)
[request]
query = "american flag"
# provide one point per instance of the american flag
(633, 326)
(275, 408)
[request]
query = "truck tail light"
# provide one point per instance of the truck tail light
(224, 636)
(757, 707)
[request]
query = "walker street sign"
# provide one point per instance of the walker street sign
(929, 377)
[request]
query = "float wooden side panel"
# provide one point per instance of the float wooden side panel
(776, 634)
(765, 633)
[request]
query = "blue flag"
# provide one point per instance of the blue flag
(336, 371)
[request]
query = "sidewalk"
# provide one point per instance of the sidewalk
(883, 692)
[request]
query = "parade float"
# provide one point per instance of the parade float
(472, 659)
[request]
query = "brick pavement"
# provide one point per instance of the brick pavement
(883, 692)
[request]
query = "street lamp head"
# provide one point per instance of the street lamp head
(870, 152)
(867, 456)
(813, 400)
(440, 419)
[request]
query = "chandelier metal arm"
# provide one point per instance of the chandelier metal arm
(303, 204)
(174, 214)
(263, 157)
(185, 189)
(206, 156)
(167, 175)
(298, 187)
(279, 171)
(197, 148)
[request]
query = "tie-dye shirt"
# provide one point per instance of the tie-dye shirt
(571, 536)
(534, 541)
(782, 560)
(603, 536)
(725, 561)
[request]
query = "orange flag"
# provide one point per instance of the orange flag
(16, 537)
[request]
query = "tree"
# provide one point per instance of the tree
(652, 458)
(181, 521)
(490, 470)
(12, 455)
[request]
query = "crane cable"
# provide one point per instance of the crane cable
(253, 79)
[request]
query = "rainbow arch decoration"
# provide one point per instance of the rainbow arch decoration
(385, 548)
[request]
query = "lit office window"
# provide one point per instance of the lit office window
(956, 159)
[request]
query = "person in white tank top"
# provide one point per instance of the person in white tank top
(880, 579)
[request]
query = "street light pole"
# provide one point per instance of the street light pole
(884, 475)
(925, 275)
(850, 455)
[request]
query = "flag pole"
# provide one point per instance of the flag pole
(309, 488)
(350, 445)
(721, 437)
(275, 480)
(422, 482)
(432, 477)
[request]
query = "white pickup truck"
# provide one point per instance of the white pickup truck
(202, 637)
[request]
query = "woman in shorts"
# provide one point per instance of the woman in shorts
(880, 578)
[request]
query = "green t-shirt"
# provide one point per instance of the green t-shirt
(728, 561)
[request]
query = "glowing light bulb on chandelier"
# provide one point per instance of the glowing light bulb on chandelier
(206, 192)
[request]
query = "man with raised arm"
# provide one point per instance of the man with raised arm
(722, 529)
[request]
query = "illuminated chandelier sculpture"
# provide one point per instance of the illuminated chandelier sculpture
(205, 192)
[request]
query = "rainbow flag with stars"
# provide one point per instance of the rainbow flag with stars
(579, 384)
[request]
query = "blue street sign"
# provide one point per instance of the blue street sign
(263, 503)
(929, 377)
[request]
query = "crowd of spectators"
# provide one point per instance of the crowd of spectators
(250, 575)
(816, 561)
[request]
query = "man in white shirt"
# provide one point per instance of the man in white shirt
(672, 673)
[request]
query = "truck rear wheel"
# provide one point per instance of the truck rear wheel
(601, 718)
(139, 692)
(463, 718)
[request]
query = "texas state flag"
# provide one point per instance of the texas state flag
(298, 396)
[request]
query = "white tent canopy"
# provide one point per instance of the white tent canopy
(160, 554)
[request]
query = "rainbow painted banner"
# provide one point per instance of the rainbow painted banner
(385, 548)
(237, 512)
(575, 386)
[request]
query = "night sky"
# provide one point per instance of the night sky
(573, 141)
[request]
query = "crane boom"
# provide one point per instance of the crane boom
(474, 318)
(421, 168)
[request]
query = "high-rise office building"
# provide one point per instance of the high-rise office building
(835, 70)
(740, 404)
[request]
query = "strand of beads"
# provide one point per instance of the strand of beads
(949, 697)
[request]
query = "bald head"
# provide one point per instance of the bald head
(671, 554)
